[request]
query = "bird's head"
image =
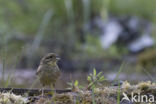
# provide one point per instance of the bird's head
(50, 59)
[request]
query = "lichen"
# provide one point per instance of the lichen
(10, 98)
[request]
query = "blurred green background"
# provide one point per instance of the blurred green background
(29, 29)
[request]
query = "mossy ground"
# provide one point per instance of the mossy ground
(102, 95)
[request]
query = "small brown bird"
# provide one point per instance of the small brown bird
(48, 70)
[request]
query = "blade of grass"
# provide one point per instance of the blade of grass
(148, 74)
(39, 36)
(118, 94)
(11, 75)
(69, 9)
(7, 81)
(3, 60)
(120, 69)
(117, 79)
(86, 10)
(3, 71)
(93, 95)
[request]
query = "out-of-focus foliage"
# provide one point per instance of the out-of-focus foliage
(31, 28)
(24, 26)
(147, 59)
(141, 8)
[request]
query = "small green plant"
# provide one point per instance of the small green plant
(74, 86)
(95, 79)
(73, 83)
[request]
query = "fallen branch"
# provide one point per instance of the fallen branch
(31, 92)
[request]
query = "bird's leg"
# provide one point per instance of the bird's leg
(43, 91)
(53, 89)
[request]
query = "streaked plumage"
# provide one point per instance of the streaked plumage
(48, 70)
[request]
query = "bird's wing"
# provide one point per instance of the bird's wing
(38, 70)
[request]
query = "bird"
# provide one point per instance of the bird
(48, 71)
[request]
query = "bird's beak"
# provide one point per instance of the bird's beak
(57, 58)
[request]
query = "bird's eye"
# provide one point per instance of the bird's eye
(51, 57)
(48, 58)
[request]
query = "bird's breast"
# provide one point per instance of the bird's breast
(49, 75)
